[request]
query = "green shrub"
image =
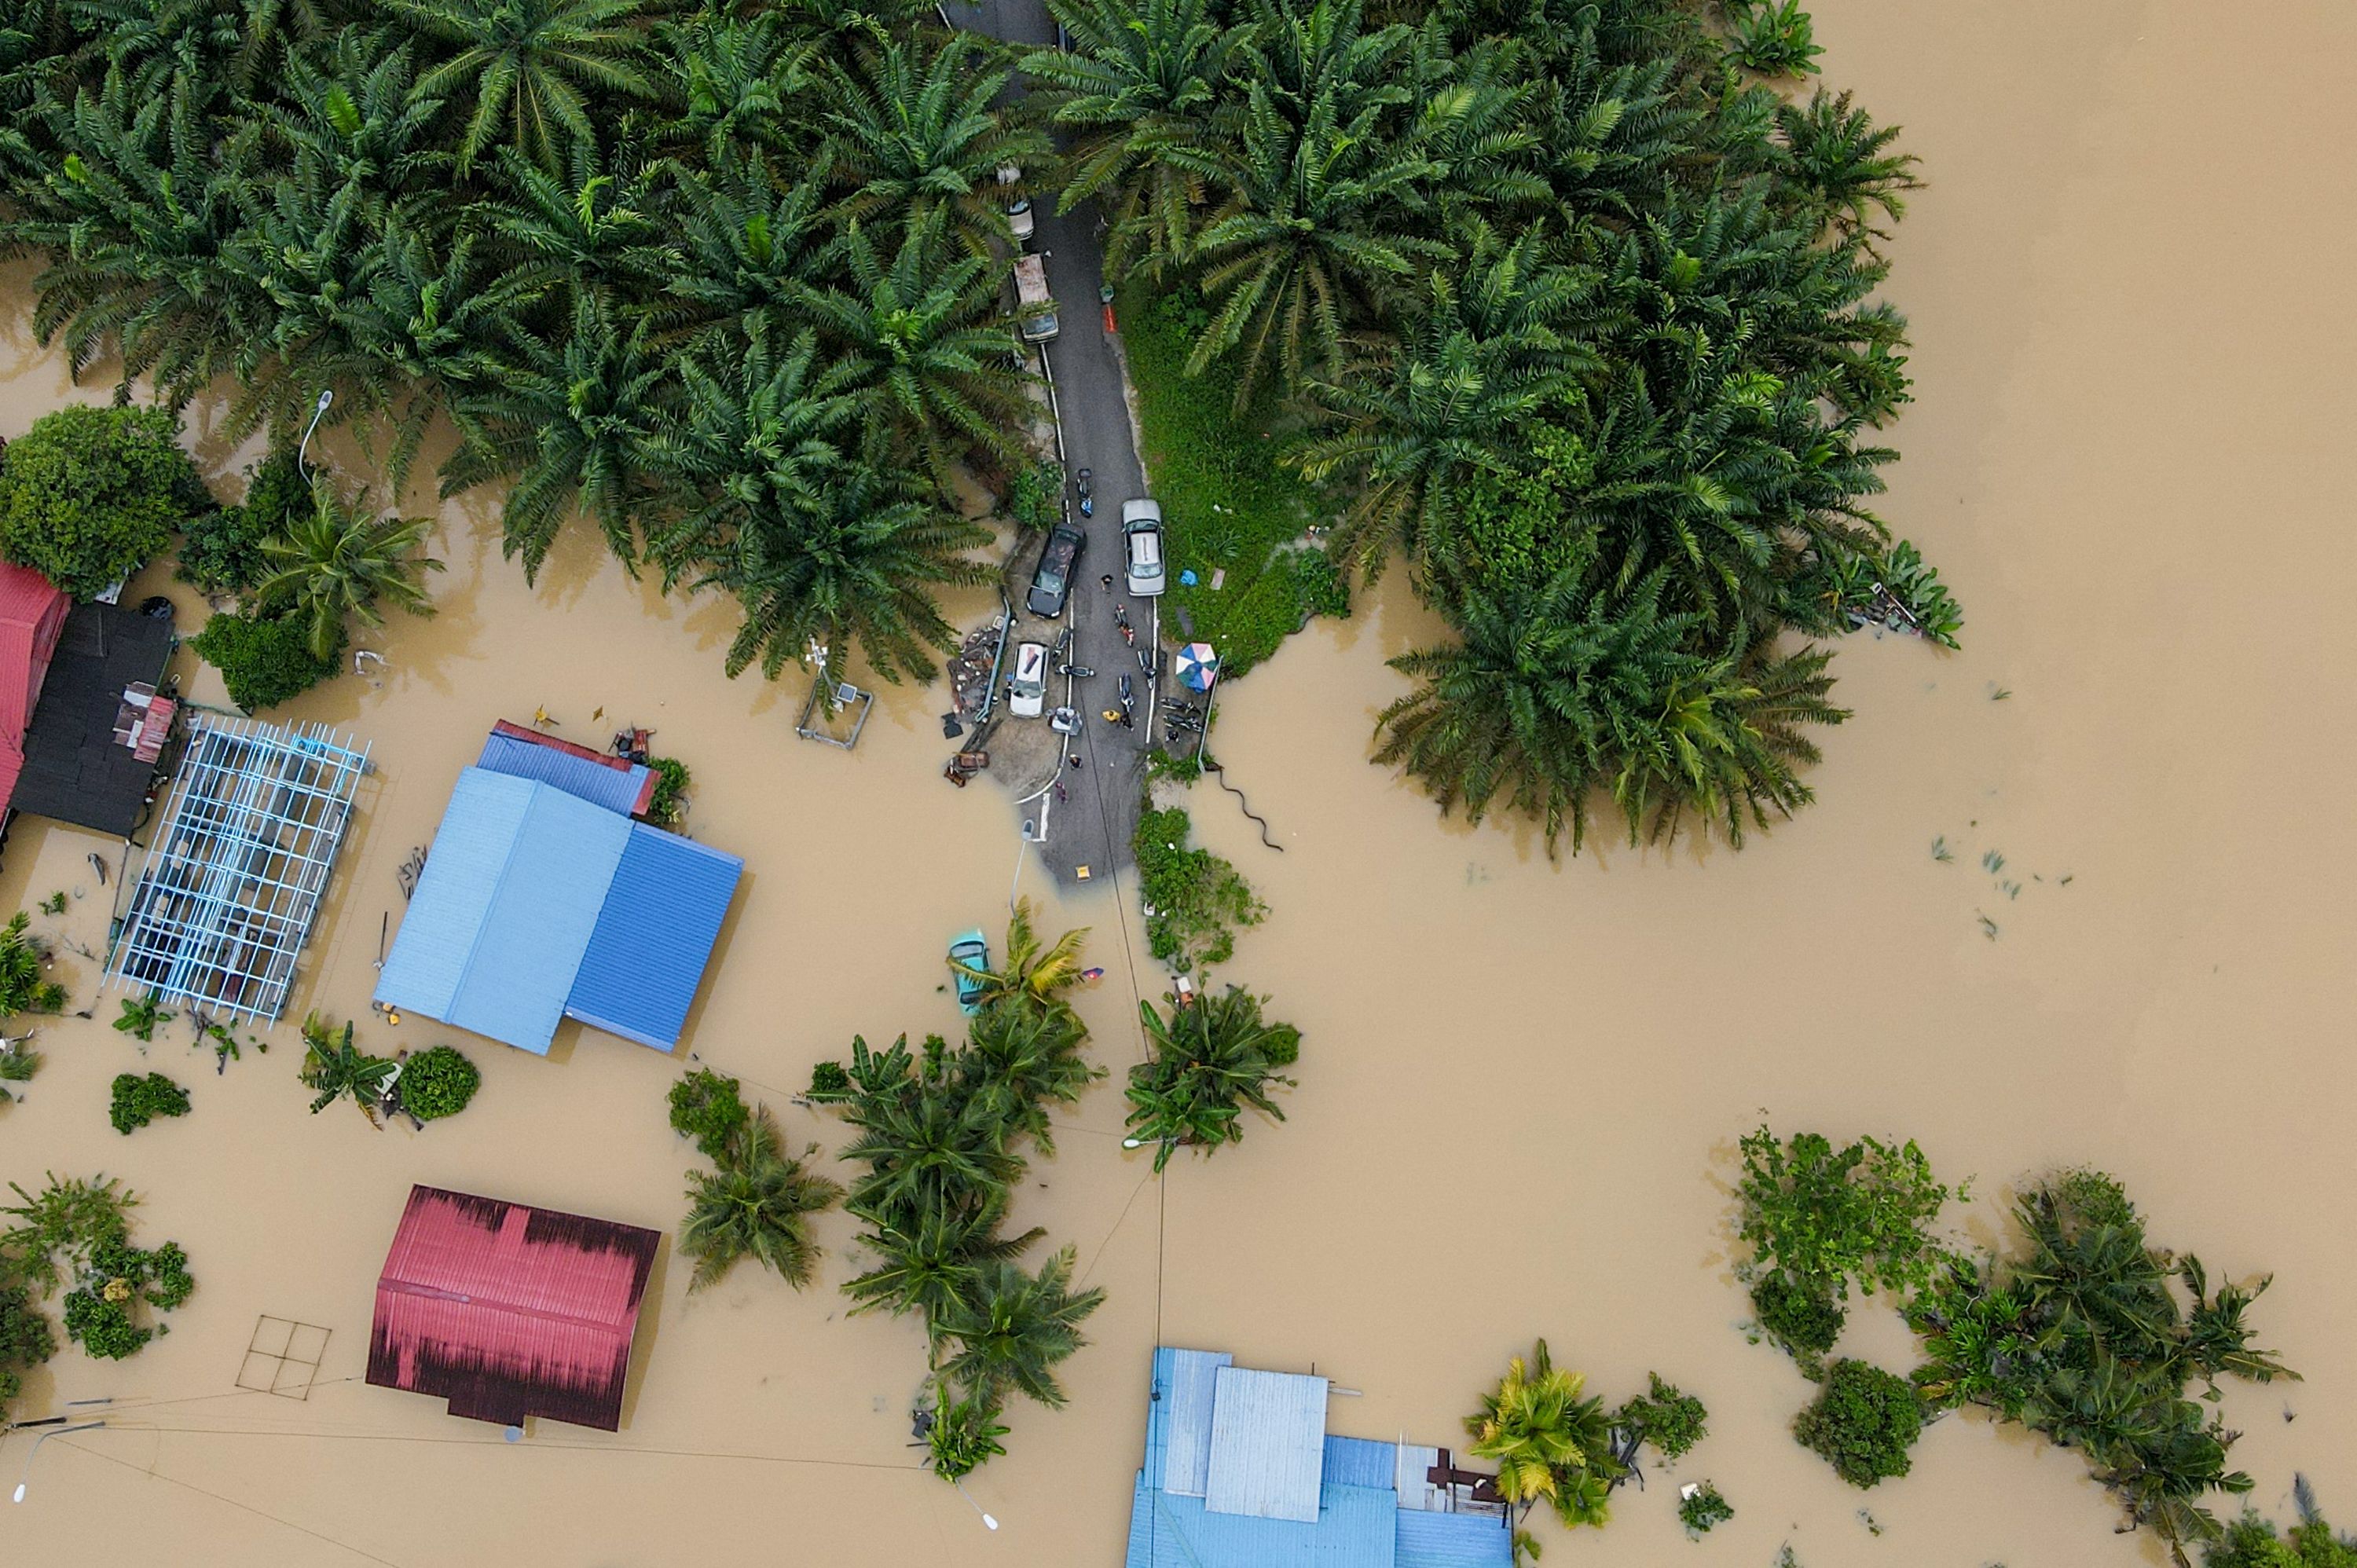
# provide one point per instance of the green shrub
(1320, 585)
(706, 1107)
(1667, 1417)
(104, 1328)
(1704, 1510)
(1862, 1423)
(22, 988)
(25, 1339)
(437, 1082)
(672, 783)
(139, 1101)
(829, 1081)
(142, 1014)
(264, 661)
(2251, 1542)
(1800, 1313)
(1864, 1211)
(1193, 898)
(220, 550)
(88, 495)
(1036, 500)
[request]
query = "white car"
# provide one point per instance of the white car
(1026, 689)
(1141, 545)
(1019, 219)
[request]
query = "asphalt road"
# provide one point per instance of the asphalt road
(1092, 824)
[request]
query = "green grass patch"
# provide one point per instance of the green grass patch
(1228, 504)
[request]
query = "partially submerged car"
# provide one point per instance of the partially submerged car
(970, 951)
(1051, 580)
(1026, 689)
(1140, 543)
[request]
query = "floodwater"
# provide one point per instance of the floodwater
(1521, 1081)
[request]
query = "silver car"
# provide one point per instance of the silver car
(1141, 544)
(1027, 690)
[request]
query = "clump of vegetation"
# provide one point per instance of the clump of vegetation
(668, 804)
(1820, 1218)
(23, 989)
(438, 1081)
(2252, 1541)
(220, 550)
(1864, 1421)
(89, 495)
(1035, 499)
(55, 903)
(1666, 1418)
(1703, 1510)
(706, 1107)
(754, 1205)
(263, 659)
(75, 1233)
(963, 1436)
(1775, 37)
(2081, 1336)
(25, 1339)
(1208, 1060)
(138, 1100)
(1193, 898)
(339, 1069)
(142, 1015)
(1800, 1313)
(1549, 1441)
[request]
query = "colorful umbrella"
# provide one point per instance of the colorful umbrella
(1197, 666)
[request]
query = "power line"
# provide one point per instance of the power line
(233, 1502)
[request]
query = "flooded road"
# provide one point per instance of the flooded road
(1521, 1082)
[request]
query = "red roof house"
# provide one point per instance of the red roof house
(509, 1311)
(32, 614)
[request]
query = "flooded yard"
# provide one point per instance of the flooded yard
(1521, 1081)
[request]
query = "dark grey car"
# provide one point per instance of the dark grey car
(1052, 581)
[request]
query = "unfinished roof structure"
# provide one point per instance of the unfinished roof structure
(509, 1311)
(234, 876)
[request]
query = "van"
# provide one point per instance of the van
(1034, 309)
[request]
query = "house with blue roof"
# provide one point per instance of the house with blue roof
(543, 900)
(1240, 1471)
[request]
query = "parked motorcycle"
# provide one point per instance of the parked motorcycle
(1087, 501)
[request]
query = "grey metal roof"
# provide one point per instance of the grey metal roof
(1268, 1444)
(1187, 1419)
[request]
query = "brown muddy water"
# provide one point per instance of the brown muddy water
(1521, 1081)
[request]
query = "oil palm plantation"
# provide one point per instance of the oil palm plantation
(1549, 1442)
(1210, 1061)
(755, 1205)
(335, 561)
(1009, 1335)
(529, 72)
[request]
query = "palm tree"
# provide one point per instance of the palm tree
(526, 69)
(23, 988)
(1024, 1055)
(930, 1148)
(915, 129)
(927, 1260)
(1146, 84)
(754, 1206)
(333, 562)
(591, 228)
(730, 79)
(338, 1070)
(1209, 1061)
(1478, 356)
(1009, 1335)
(754, 243)
(1547, 1441)
(1842, 160)
(1033, 972)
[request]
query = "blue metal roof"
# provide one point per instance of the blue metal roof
(509, 895)
(639, 976)
(1353, 1529)
(1184, 1380)
(1453, 1540)
(1362, 1461)
(616, 788)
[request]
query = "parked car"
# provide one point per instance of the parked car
(1027, 691)
(1018, 219)
(972, 949)
(1035, 310)
(1051, 581)
(1141, 541)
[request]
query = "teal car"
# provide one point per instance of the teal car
(973, 951)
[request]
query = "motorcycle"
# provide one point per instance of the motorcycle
(1121, 621)
(1075, 671)
(1087, 501)
(1128, 705)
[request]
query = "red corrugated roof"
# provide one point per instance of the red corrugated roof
(509, 1311)
(32, 613)
(603, 759)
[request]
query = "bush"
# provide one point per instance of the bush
(90, 495)
(2251, 1543)
(1668, 1418)
(673, 781)
(1036, 500)
(437, 1082)
(1820, 1213)
(829, 1081)
(1864, 1421)
(25, 1339)
(1193, 898)
(1704, 1510)
(22, 988)
(103, 1326)
(1800, 1313)
(264, 661)
(139, 1101)
(220, 550)
(706, 1106)
(1320, 585)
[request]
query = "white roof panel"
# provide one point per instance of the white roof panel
(1268, 1444)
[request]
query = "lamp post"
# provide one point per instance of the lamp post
(327, 396)
(25, 1480)
(961, 1492)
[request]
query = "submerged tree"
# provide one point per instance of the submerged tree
(755, 1205)
(1550, 1444)
(1211, 1059)
(1010, 1333)
(335, 562)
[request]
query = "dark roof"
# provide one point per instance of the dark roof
(74, 769)
(509, 1311)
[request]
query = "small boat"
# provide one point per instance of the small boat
(973, 951)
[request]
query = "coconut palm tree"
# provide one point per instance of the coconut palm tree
(339, 1069)
(755, 1205)
(528, 70)
(930, 1148)
(1210, 1061)
(1147, 86)
(1033, 972)
(928, 1259)
(1009, 1334)
(1024, 1055)
(335, 562)
(1547, 1441)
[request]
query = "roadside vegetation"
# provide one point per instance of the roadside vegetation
(2077, 1328)
(1578, 318)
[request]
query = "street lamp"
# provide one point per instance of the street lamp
(59, 1432)
(961, 1492)
(327, 396)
